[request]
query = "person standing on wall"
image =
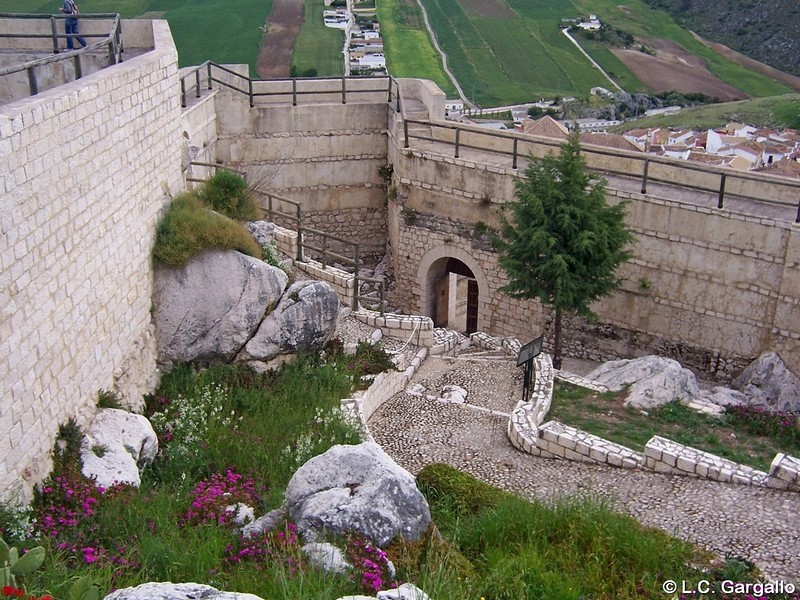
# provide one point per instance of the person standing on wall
(71, 23)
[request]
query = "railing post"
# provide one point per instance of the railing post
(721, 190)
(78, 67)
(197, 82)
(208, 64)
(300, 256)
(514, 154)
(250, 92)
(54, 28)
(644, 175)
(344, 91)
(458, 141)
(383, 295)
(183, 92)
(405, 132)
(355, 279)
(324, 251)
(389, 91)
(32, 83)
(294, 92)
(797, 218)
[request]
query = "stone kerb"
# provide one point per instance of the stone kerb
(360, 406)
(416, 328)
(528, 433)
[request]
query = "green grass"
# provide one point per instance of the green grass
(407, 46)
(604, 415)
(777, 111)
(318, 47)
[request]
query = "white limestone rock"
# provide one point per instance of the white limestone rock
(653, 381)
(116, 445)
(211, 307)
(407, 591)
(268, 522)
(356, 488)
(327, 557)
(768, 383)
(262, 231)
(454, 393)
(176, 591)
(722, 396)
(305, 319)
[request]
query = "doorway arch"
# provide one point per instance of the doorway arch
(454, 288)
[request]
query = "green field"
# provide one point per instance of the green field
(318, 47)
(408, 48)
(225, 31)
(524, 56)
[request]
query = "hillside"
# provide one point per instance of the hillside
(766, 31)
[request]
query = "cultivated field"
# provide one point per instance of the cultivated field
(225, 31)
(318, 49)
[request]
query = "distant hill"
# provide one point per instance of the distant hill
(768, 31)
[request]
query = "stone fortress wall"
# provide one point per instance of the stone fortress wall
(86, 169)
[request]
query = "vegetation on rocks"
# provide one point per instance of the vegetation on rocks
(207, 218)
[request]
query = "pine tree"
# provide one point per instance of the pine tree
(562, 243)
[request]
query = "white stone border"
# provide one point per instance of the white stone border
(527, 433)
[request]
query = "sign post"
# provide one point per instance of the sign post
(525, 357)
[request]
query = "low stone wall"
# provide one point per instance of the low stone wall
(418, 329)
(556, 440)
(361, 405)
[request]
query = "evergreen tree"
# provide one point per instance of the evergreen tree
(562, 243)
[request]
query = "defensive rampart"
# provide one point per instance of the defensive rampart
(86, 169)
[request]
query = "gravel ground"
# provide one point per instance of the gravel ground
(760, 524)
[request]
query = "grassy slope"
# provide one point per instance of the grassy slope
(778, 111)
(409, 51)
(318, 47)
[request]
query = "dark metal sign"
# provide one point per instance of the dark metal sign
(525, 357)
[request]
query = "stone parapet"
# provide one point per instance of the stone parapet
(417, 329)
(784, 473)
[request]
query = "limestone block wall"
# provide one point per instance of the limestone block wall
(86, 170)
(708, 287)
(322, 153)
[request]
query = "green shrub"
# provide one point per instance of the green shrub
(227, 193)
(189, 227)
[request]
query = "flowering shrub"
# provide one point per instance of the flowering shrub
(212, 497)
(371, 570)
(182, 424)
(323, 431)
(783, 427)
(9, 591)
(276, 545)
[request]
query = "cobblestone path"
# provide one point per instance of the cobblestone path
(760, 524)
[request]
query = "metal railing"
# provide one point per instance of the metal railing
(206, 75)
(515, 145)
(112, 40)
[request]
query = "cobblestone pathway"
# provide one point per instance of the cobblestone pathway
(760, 524)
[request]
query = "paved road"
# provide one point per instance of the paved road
(761, 524)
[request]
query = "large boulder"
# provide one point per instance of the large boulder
(305, 319)
(768, 383)
(116, 445)
(176, 591)
(356, 488)
(653, 381)
(208, 309)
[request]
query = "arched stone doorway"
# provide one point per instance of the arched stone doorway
(453, 289)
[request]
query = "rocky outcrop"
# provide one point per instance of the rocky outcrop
(653, 381)
(356, 489)
(306, 318)
(116, 445)
(768, 383)
(211, 307)
(176, 591)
